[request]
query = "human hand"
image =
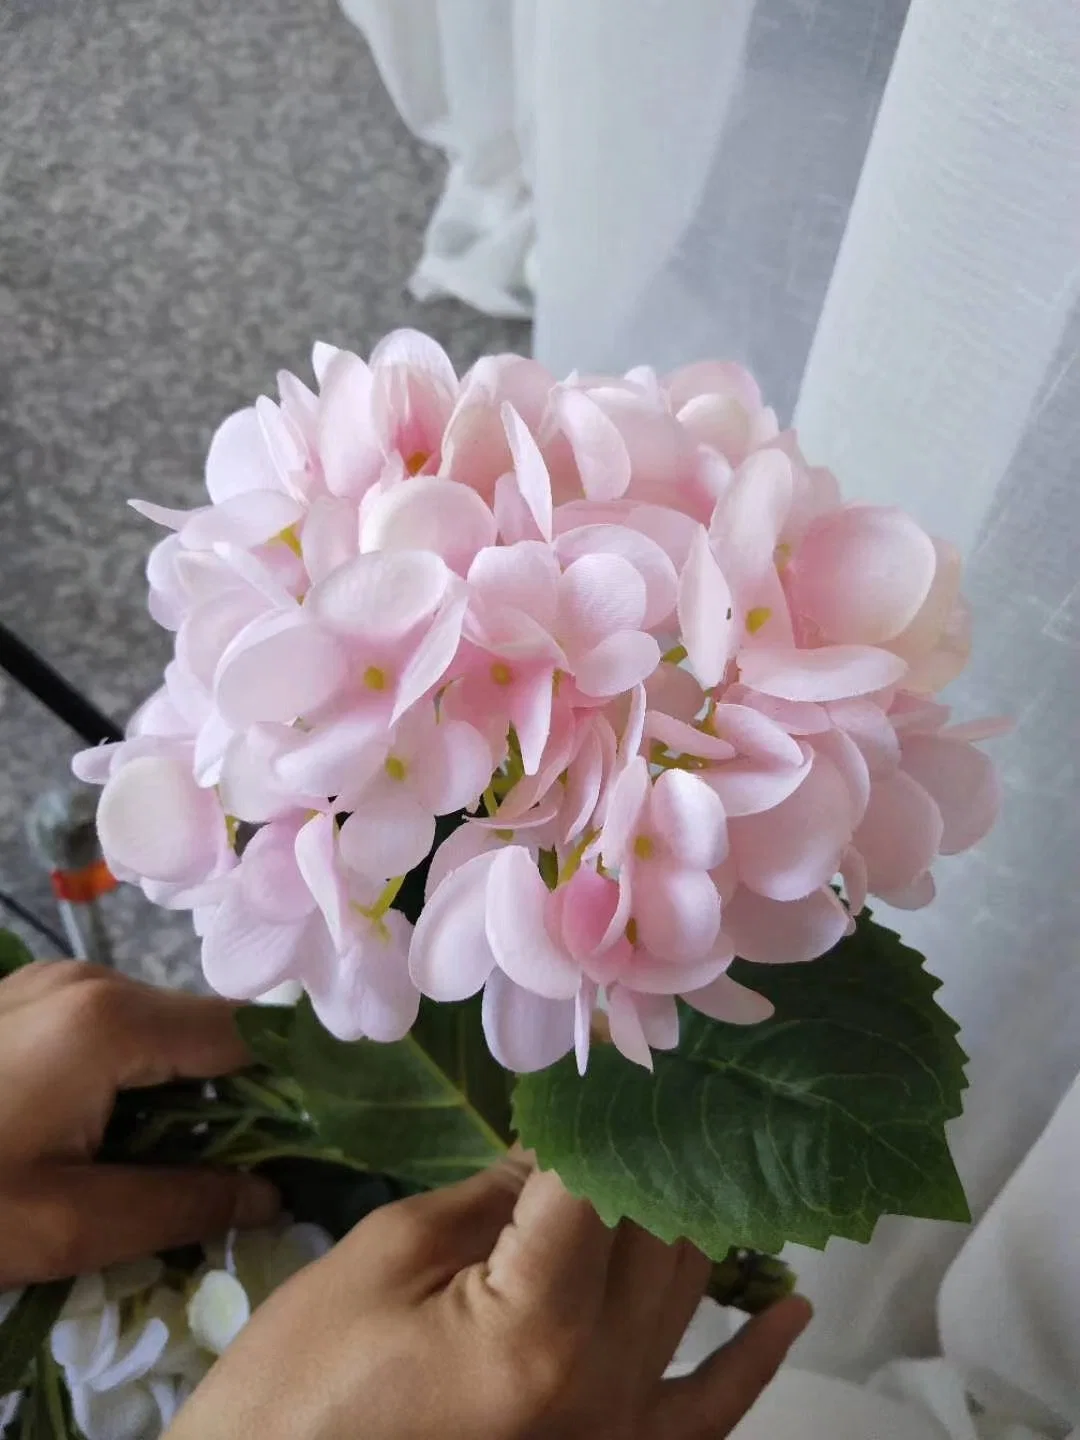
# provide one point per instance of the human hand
(71, 1036)
(499, 1308)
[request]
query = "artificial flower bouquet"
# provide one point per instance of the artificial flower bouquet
(550, 736)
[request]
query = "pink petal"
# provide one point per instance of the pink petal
(335, 759)
(588, 903)
(689, 818)
(530, 712)
(869, 727)
(598, 595)
(584, 777)
(748, 787)
(861, 574)
(797, 717)
(725, 999)
(154, 820)
(316, 857)
(962, 781)
(900, 833)
(627, 1030)
(277, 668)
(853, 874)
(774, 932)
(430, 513)
(449, 957)
(677, 911)
(990, 727)
(833, 672)
(171, 518)
(617, 663)
(920, 638)
(750, 515)
(244, 520)
(349, 447)
(659, 1016)
(94, 765)
(209, 627)
(584, 1005)
(381, 596)
(628, 798)
(683, 739)
(712, 377)
(649, 974)
(753, 734)
(629, 742)
(533, 479)
(244, 955)
(330, 537)
(371, 995)
(418, 352)
(453, 771)
(671, 529)
(432, 658)
(674, 691)
(269, 878)
(517, 905)
(705, 612)
(525, 1032)
(848, 759)
(647, 558)
(389, 833)
(524, 576)
(466, 843)
(238, 460)
(795, 848)
(513, 518)
(322, 355)
(286, 446)
(914, 896)
(599, 451)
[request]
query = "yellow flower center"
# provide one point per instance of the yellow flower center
(375, 678)
(416, 461)
(395, 768)
(644, 848)
(289, 537)
(757, 617)
(631, 931)
(501, 673)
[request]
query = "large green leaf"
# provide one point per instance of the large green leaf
(13, 953)
(427, 1110)
(813, 1124)
(27, 1328)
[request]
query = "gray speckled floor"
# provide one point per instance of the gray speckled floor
(189, 194)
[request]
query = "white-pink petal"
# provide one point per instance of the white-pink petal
(618, 663)
(963, 782)
(725, 999)
(677, 910)
(900, 833)
(705, 610)
(599, 451)
(430, 513)
(645, 555)
(388, 834)
(380, 596)
(832, 672)
(277, 668)
(689, 818)
(154, 820)
(238, 460)
(775, 932)
(517, 930)
(524, 1031)
(531, 472)
(795, 848)
(449, 957)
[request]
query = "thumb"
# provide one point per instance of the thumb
(708, 1404)
(69, 1220)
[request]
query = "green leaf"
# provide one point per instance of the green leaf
(26, 1328)
(13, 955)
(813, 1124)
(428, 1110)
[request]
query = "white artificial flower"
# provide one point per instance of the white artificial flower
(243, 1272)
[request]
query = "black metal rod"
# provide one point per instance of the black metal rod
(57, 694)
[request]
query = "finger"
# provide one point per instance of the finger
(551, 1261)
(710, 1403)
(42, 977)
(423, 1241)
(71, 1220)
(640, 1270)
(146, 1036)
(677, 1308)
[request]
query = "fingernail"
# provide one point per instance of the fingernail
(257, 1203)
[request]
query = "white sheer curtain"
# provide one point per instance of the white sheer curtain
(876, 206)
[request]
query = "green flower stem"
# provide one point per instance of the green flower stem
(747, 1280)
